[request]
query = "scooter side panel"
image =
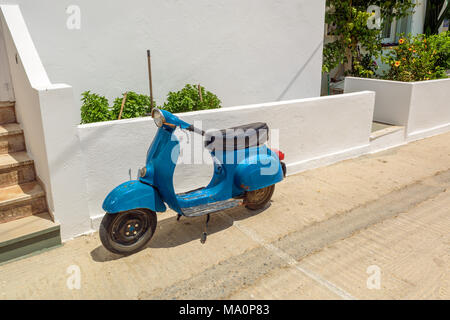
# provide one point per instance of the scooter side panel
(261, 169)
(133, 195)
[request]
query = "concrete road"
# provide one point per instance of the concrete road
(376, 227)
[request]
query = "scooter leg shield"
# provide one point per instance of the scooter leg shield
(133, 195)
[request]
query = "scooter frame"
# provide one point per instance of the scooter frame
(230, 180)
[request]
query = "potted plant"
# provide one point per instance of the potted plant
(415, 90)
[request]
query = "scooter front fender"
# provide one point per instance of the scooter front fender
(133, 195)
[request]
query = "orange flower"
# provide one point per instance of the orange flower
(401, 41)
(409, 49)
(397, 63)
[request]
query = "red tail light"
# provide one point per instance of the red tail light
(279, 154)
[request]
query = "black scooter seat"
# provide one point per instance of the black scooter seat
(236, 138)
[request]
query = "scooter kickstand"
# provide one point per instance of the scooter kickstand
(205, 233)
(178, 217)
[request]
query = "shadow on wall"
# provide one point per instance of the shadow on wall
(300, 71)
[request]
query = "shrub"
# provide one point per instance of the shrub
(136, 105)
(418, 58)
(352, 42)
(188, 99)
(94, 108)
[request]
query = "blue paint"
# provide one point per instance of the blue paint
(229, 180)
(132, 195)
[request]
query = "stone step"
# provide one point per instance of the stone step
(23, 200)
(16, 168)
(29, 235)
(7, 112)
(11, 138)
(386, 136)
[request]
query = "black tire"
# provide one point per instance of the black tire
(257, 199)
(283, 167)
(128, 231)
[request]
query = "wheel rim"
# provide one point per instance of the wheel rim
(129, 227)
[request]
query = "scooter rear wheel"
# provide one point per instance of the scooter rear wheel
(128, 231)
(257, 199)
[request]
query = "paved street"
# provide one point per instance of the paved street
(375, 227)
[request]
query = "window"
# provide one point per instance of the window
(392, 30)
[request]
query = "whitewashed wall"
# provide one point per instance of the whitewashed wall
(423, 107)
(6, 88)
(430, 108)
(392, 98)
(312, 132)
(245, 51)
(47, 116)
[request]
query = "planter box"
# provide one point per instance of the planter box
(423, 107)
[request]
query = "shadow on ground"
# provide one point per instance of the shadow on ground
(172, 233)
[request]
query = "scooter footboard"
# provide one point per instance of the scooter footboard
(133, 195)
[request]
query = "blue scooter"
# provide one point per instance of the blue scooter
(245, 173)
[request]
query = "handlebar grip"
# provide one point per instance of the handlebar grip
(196, 130)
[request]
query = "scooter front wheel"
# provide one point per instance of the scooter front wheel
(128, 231)
(257, 199)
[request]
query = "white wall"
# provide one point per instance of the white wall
(418, 17)
(430, 107)
(392, 98)
(312, 132)
(6, 88)
(47, 115)
(423, 107)
(247, 51)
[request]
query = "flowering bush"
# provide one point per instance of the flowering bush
(419, 58)
(353, 43)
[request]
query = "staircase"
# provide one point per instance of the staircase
(26, 226)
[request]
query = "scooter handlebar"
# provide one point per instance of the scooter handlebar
(196, 130)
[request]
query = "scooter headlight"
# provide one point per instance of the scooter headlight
(158, 117)
(142, 172)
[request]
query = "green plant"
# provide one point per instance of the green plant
(418, 58)
(353, 41)
(189, 99)
(94, 108)
(136, 105)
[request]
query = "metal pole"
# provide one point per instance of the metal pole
(150, 78)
